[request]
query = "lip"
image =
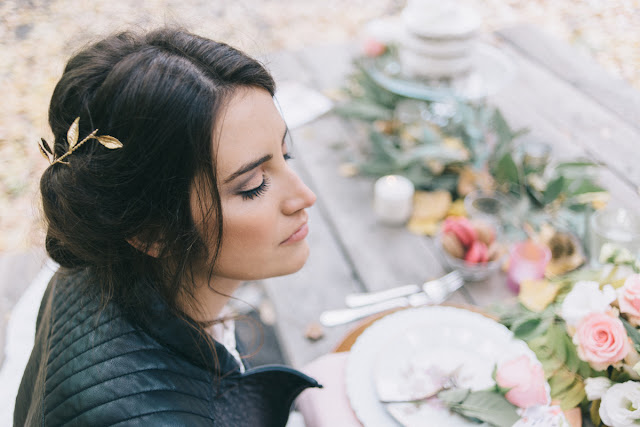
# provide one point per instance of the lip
(297, 235)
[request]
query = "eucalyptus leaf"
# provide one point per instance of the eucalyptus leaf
(433, 152)
(384, 149)
(554, 188)
(560, 349)
(583, 186)
(574, 396)
(572, 361)
(633, 333)
(454, 395)
(539, 344)
(376, 168)
(507, 170)
(561, 382)
(530, 328)
(363, 110)
(488, 406)
(584, 370)
(577, 164)
(551, 366)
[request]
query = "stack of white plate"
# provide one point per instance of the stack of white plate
(437, 40)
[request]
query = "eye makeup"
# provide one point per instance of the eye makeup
(260, 189)
(257, 191)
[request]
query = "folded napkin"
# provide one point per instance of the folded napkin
(300, 104)
(328, 406)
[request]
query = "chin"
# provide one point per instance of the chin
(295, 262)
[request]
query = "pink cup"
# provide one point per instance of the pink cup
(527, 261)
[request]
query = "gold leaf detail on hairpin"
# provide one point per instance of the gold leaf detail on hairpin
(109, 142)
(45, 150)
(45, 146)
(72, 134)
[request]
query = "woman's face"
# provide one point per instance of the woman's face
(263, 200)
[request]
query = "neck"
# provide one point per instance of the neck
(211, 295)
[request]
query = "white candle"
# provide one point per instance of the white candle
(393, 199)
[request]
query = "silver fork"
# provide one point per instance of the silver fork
(366, 298)
(430, 295)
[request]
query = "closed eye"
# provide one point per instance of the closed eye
(257, 191)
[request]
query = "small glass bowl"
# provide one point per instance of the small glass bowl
(489, 206)
(471, 272)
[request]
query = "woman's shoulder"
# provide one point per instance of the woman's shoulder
(96, 364)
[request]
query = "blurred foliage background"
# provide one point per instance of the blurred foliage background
(37, 36)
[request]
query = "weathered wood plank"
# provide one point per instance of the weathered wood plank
(299, 298)
(327, 277)
(577, 69)
(574, 125)
(357, 251)
(347, 244)
(382, 256)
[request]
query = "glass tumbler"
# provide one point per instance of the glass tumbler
(527, 261)
(618, 227)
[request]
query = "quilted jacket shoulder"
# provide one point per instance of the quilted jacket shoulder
(93, 366)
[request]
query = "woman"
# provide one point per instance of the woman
(168, 187)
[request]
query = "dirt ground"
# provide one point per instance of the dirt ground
(37, 36)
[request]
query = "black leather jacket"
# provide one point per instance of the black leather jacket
(94, 367)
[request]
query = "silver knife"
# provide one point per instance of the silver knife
(430, 296)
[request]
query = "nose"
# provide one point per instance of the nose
(299, 195)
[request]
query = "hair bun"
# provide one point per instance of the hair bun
(61, 255)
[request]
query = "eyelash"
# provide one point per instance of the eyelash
(256, 192)
(260, 189)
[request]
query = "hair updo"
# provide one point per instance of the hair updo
(160, 94)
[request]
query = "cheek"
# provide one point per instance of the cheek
(249, 242)
(250, 231)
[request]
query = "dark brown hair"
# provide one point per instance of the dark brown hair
(160, 94)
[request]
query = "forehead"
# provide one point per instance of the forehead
(249, 127)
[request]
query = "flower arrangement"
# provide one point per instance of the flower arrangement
(453, 144)
(520, 397)
(583, 327)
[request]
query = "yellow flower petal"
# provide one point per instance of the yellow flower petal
(536, 295)
(457, 208)
(423, 226)
(431, 205)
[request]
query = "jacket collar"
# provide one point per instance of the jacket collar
(187, 338)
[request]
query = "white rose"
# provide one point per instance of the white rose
(596, 387)
(586, 298)
(620, 405)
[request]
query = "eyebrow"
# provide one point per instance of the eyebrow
(252, 165)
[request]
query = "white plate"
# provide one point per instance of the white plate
(390, 353)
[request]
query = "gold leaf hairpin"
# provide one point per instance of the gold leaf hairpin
(72, 138)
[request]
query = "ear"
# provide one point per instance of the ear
(153, 250)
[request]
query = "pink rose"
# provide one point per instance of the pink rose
(629, 299)
(601, 340)
(525, 381)
(373, 48)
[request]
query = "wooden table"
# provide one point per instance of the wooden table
(564, 98)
